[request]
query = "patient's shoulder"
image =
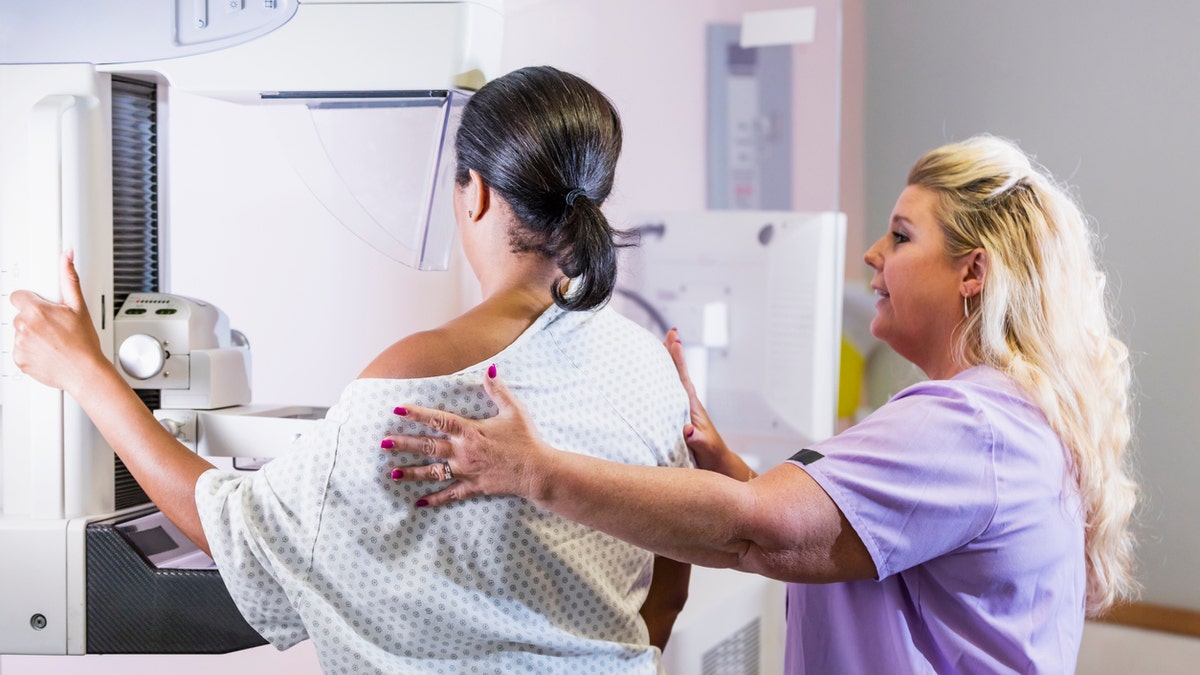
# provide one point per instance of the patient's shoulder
(428, 353)
(479, 334)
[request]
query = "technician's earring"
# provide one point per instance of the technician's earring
(470, 214)
(966, 309)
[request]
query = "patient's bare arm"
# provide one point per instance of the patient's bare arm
(57, 345)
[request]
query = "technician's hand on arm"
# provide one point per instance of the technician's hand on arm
(781, 525)
(57, 345)
(701, 436)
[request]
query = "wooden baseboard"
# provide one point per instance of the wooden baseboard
(1155, 617)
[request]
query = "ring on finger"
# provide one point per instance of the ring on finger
(446, 472)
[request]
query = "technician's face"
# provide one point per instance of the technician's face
(919, 289)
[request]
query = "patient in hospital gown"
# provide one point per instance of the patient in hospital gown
(323, 544)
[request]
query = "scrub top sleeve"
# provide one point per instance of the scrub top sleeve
(916, 479)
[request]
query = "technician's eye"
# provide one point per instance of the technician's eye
(899, 238)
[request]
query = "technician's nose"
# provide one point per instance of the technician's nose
(873, 258)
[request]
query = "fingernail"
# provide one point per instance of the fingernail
(690, 432)
(422, 502)
(401, 411)
(397, 474)
(492, 371)
(387, 443)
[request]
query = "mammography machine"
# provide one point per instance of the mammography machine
(83, 99)
(756, 297)
(86, 88)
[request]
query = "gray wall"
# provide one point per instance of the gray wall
(1106, 94)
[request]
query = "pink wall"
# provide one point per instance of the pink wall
(649, 56)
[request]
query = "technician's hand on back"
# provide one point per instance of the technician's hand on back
(766, 526)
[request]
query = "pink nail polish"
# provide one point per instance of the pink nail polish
(397, 474)
(690, 432)
(422, 502)
(387, 444)
(401, 411)
(492, 371)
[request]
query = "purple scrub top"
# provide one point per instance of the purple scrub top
(960, 491)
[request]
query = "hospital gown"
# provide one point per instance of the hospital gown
(322, 544)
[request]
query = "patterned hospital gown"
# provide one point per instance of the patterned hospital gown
(322, 544)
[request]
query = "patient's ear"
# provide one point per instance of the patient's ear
(479, 196)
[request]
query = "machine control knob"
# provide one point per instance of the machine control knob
(174, 427)
(142, 356)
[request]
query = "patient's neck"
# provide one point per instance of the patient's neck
(518, 281)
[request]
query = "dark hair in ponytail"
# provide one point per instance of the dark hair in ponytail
(548, 142)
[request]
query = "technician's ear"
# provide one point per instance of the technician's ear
(478, 196)
(974, 272)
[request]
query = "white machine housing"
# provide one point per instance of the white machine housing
(183, 347)
(58, 62)
(756, 296)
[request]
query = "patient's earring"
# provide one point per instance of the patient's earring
(470, 214)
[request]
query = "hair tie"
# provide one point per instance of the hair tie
(574, 194)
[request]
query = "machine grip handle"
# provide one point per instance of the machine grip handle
(58, 212)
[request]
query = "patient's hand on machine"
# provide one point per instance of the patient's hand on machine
(57, 345)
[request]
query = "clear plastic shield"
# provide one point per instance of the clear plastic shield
(382, 163)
